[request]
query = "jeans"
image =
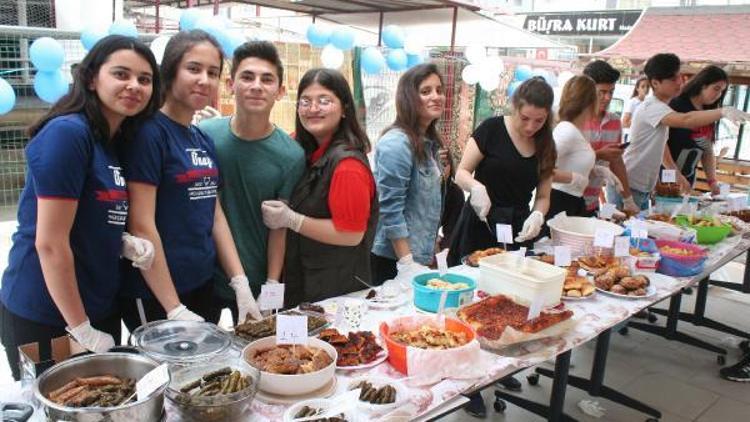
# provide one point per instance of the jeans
(641, 198)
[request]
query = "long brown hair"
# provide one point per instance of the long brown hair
(578, 96)
(408, 104)
(536, 92)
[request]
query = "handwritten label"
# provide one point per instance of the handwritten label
(271, 296)
(639, 229)
(724, 189)
(535, 308)
(291, 329)
(562, 256)
(152, 381)
(603, 238)
(607, 211)
(622, 246)
(668, 176)
(442, 262)
(504, 233)
(520, 252)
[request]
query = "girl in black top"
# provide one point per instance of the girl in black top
(686, 147)
(510, 157)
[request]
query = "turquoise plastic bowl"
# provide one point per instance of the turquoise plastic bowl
(428, 299)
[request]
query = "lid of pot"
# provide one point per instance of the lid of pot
(181, 341)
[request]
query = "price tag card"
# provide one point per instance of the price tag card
(622, 246)
(151, 382)
(562, 256)
(504, 233)
(639, 229)
(603, 238)
(520, 252)
(724, 189)
(669, 176)
(442, 261)
(737, 203)
(291, 329)
(607, 211)
(535, 308)
(271, 296)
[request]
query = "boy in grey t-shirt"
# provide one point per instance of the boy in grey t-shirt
(651, 123)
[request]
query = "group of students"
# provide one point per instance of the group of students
(205, 214)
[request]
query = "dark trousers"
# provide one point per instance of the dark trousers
(382, 269)
(218, 304)
(16, 331)
(559, 201)
(198, 300)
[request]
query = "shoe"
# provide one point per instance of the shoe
(687, 290)
(739, 372)
(510, 383)
(475, 407)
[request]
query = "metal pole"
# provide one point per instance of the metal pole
(380, 30)
(453, 29)
(156, 25)
(216, 7)
(24, 42)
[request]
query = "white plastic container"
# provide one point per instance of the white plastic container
(578, 233)
(521, 278)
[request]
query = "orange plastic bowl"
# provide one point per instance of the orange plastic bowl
(397, 351)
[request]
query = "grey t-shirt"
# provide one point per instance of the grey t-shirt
(648, 136)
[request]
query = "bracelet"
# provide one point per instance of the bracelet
(711, 182)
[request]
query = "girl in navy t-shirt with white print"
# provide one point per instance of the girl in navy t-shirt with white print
(173, 180)
(63, 271)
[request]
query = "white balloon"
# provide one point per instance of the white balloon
(471, 74)
(158, 45)
(495, 63)
(332, 57)
(475, 53)
(489, 81)
(563, 77)
(413, 46)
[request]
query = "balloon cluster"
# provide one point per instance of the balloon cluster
(482, 69)
(524, 72)
(47, 56)
(219, 27)
(333, 42)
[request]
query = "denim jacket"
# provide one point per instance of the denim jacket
(410, 198)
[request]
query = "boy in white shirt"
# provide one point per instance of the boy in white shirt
(650, 128)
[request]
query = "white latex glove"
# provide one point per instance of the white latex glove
(629, 205)
(605, 173)
(734, 115)
(531, 227)
(271, 281)
(245, 301)
(91, 338)
(138, 250)
(182, 313)
(277, 215)
(407, 267)
(480, 201)
(207, 113)
(579, 181)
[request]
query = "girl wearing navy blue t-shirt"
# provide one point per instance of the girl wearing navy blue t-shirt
(172, 182)
(63, 266)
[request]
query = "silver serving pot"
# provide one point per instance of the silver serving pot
(128, 365)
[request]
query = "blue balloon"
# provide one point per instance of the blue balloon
(397, 59)
(372, 60)
(343, 38)
(7, 97)
(189, 18)
(91, 36)
(46, 54)
(210, 24)
(230, 42)
(413, 60)
(393, 36)
(522, 73)
(123, 27)
(512, 87)
(318, 35)
(50, 86)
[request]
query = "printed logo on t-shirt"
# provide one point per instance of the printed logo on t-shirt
(203, 179)
(117, 199)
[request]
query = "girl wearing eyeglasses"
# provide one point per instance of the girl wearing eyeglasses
(333, 210)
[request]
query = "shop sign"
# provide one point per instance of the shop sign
(587, 23)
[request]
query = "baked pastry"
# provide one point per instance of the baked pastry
(473, 259)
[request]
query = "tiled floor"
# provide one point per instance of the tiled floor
(681, 381)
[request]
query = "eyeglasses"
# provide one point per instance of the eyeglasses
(322, 102)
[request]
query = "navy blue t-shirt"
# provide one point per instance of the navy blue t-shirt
(181, 162)
(65, 161)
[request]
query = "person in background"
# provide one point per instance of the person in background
(63, 273)
(408, 172)
(454, 202)
(173, 178)
(639, 94)
(333, 210)
(575, 156)
(650, 129)
(604, 131)
(687, 147)
(258, 162)
(507, 159)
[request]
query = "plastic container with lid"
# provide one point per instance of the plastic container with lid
(578, 233)
(181, 342)
(521, 278)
